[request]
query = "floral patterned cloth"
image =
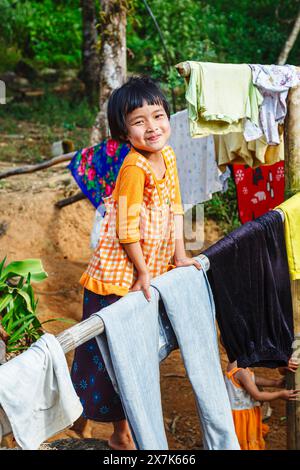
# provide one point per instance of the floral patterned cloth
(95, 169)
(273, 82)
(258, 190)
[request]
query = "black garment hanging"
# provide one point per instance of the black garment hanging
(250, 281)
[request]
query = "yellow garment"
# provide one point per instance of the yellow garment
(219, 97)
(233, 148)
(291, 209)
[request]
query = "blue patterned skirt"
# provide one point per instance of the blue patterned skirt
(89, 376)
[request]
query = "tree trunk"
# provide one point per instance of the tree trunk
(290, 42)
(90, 58)
(112, 60)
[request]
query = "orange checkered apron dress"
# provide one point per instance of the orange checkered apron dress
(110, 270)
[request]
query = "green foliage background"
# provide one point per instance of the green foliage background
(49, 31)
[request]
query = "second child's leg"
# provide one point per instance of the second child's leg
(121, 438)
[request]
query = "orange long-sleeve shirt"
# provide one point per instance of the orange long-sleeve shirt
(141, 208)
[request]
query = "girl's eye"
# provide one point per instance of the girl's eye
(138, 122)
(159, 115)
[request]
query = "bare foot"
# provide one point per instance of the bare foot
(82, 427)
(121, 442)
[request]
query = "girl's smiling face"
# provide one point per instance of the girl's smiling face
(148, 128)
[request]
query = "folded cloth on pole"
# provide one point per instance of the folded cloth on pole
(250, 281)
(233, 149)
(37, 394)
(220, 97)
(273, 82)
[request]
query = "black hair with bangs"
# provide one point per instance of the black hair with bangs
(127, 98)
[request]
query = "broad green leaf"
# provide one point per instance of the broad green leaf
(30, 292)
(20, 283)
(4, 301)
(22, 268)
(30, 306)
(2, 264)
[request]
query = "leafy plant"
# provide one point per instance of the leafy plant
(48, 32)
(18, 306)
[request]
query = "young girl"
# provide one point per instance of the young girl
(245, 397)
(137, 237)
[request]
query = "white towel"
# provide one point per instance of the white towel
(37, 394)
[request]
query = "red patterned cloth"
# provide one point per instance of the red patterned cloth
(258, 190)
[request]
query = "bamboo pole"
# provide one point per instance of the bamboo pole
(292, 169)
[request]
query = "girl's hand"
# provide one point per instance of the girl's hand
(142, 283)
(292, 365)
(290, 395)
(179, 263)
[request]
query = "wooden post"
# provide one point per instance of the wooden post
(292, 171)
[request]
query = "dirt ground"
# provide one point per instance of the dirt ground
(31, 227)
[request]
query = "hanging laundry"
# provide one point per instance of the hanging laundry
(95, 169)
(258, 190)
(220, 97)
(233, 148)
(132, 337)
(196, 162)
(37, 394)
(250, 281)
(224, 177)
(291, 209)
(273, 82)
